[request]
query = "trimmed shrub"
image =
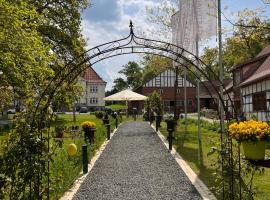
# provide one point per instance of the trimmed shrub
(99, 114)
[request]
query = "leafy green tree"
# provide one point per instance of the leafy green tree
(153, 65)
(120, 84)
(37, 39)
(24, 57)
(155, 101)
(133, 74)
(246, 42)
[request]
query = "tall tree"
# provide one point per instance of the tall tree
(153, 65)
(133, 74)
(24, 57)
(119, 84)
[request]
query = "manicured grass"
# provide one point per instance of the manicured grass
(187, 146)
(117, 107)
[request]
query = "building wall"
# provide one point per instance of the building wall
(90, 97)
(248, 101)
(167, 95)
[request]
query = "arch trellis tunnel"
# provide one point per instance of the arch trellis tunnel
(132, 44)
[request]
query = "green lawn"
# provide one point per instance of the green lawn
(187, 146)
(117, 107)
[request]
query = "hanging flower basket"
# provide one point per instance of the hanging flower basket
(253, 135)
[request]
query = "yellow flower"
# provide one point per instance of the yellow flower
(249, 130)
(88, 124)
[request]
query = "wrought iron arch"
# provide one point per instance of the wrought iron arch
(132, 44)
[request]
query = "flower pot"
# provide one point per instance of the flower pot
(89, 134)
(254, 150)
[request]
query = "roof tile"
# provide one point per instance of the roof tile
(91, 76)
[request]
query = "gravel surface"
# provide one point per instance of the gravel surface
(136, 165)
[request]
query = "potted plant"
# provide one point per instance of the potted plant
(89, 129)
(253, 135)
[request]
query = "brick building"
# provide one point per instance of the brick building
(163, 83)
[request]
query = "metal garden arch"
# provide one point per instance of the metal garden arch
(132, 44)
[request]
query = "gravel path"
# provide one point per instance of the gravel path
(136, 165)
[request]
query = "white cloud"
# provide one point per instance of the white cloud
(99, 32)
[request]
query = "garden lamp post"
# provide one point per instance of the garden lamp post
(158, 121)
(170, 129)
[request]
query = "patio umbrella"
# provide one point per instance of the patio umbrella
(126, 95)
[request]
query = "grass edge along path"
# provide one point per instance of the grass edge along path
(186, 145)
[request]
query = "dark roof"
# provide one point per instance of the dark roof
(250, 61)
(208, 88)
(90, 75)
(265, 51)
(262, 72)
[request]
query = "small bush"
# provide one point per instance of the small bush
(99, 114)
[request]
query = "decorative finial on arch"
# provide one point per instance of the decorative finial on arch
(131, 27)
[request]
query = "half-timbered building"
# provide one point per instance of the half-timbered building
(250, 89)
(164, 83)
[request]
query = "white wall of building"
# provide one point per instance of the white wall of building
(247, 108)
(93, 94)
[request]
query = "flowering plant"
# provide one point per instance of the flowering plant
(88, 124)
(250, 131)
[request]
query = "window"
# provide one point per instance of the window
(166, 103)
(180, 103)
(93, 100)
(190, 102)
(178, 90)
(93, 88)
(259, 101)
(160, 91)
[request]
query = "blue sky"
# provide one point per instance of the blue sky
(108, 20)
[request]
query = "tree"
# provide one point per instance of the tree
(24, 57)
(153, 65)
(246, 43)
(133, 73)
(161, 14)
(119, 84)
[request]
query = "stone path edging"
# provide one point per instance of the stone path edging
(192, 176)
(77, 183)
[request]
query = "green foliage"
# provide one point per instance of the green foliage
(249, 38)
(119, 84)
(116, 107)
(99, 114)
(153, 104)
(156, 102)
(153, 65)
(37, 39)
(133, 73)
